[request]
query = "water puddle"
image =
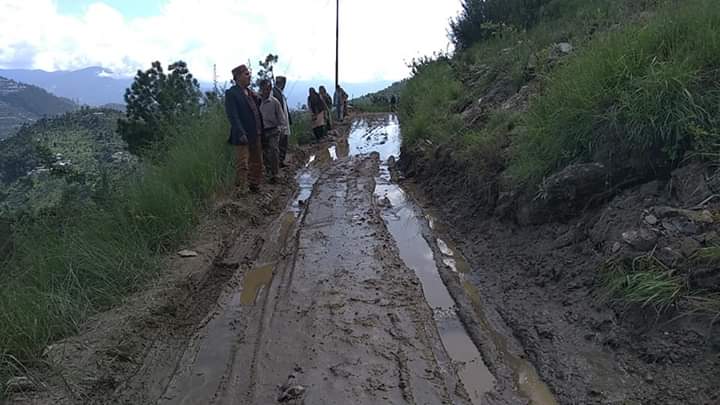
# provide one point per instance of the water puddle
(405, 222)
(527, 379)
(253, 283)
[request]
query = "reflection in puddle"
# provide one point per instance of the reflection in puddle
(526, 377)
(404, 221)
(404, 225)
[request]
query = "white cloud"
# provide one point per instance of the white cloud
(378, 37)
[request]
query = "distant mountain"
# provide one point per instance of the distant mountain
(22, 103)
(93, 86)
(96, 86)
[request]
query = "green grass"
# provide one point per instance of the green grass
(85, 256)
(301, 131)
(428, 103)
(643, 281)
(637, 98)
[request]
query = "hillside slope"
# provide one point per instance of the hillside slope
(573, 147)
(74, 153)
(22, 103)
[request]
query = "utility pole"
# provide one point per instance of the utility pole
(338, 102)
(215, 79)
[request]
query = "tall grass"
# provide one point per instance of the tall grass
(301, 130)
(636, 99)
(428, 103)
(76, 261)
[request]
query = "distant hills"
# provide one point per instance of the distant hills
(76, 154)
(93, 86)
(96, 86)
(22, 103)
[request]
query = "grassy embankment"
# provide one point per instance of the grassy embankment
(81, 258)
(640, 93)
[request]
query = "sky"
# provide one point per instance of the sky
(378, 37)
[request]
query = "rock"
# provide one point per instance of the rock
(565, 47)
(642, 240)
(688, 246)
(564, 194)
(689, 184)
(703, 216)
(20, 384)
(668, 256)
(291, 393)
(651, 219)
(187, 253)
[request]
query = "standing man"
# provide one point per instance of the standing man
(278, 90)
(274, 118)
(242, 107)
(328, 103)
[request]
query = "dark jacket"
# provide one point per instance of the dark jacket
(242, 118)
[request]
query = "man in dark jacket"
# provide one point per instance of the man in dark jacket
(243, 112)
(280, 82)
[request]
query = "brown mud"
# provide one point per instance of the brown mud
(309, 296)
(543, 282)
(347, 285)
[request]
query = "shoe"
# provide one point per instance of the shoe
(283, 165)
(254, 188)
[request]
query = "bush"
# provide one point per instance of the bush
(301, 130)
(636, 100)
(84, 256)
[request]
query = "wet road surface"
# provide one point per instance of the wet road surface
(345, 304)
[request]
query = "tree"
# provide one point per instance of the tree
(156, 102)
(481, 19)
(266, 69)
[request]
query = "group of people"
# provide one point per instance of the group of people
(259, 128)
(320, 106)
(260, 124)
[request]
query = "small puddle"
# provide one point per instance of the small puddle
(405, 222)
(401, 218)
(527, 379)
(253, 283)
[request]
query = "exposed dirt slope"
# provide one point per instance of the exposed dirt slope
(545, 283)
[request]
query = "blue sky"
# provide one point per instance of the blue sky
(378, 38)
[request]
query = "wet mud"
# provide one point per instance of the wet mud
(341, 289)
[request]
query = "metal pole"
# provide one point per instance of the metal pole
(338, 102)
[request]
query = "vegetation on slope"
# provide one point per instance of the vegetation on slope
(535, 86)
(83, 254)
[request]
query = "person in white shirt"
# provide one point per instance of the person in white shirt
(285, 132)
(274, 118)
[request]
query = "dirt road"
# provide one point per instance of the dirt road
(339, 297)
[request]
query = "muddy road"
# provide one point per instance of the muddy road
(348, 294)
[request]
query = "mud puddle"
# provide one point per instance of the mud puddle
(405, 221)
(527, 379)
